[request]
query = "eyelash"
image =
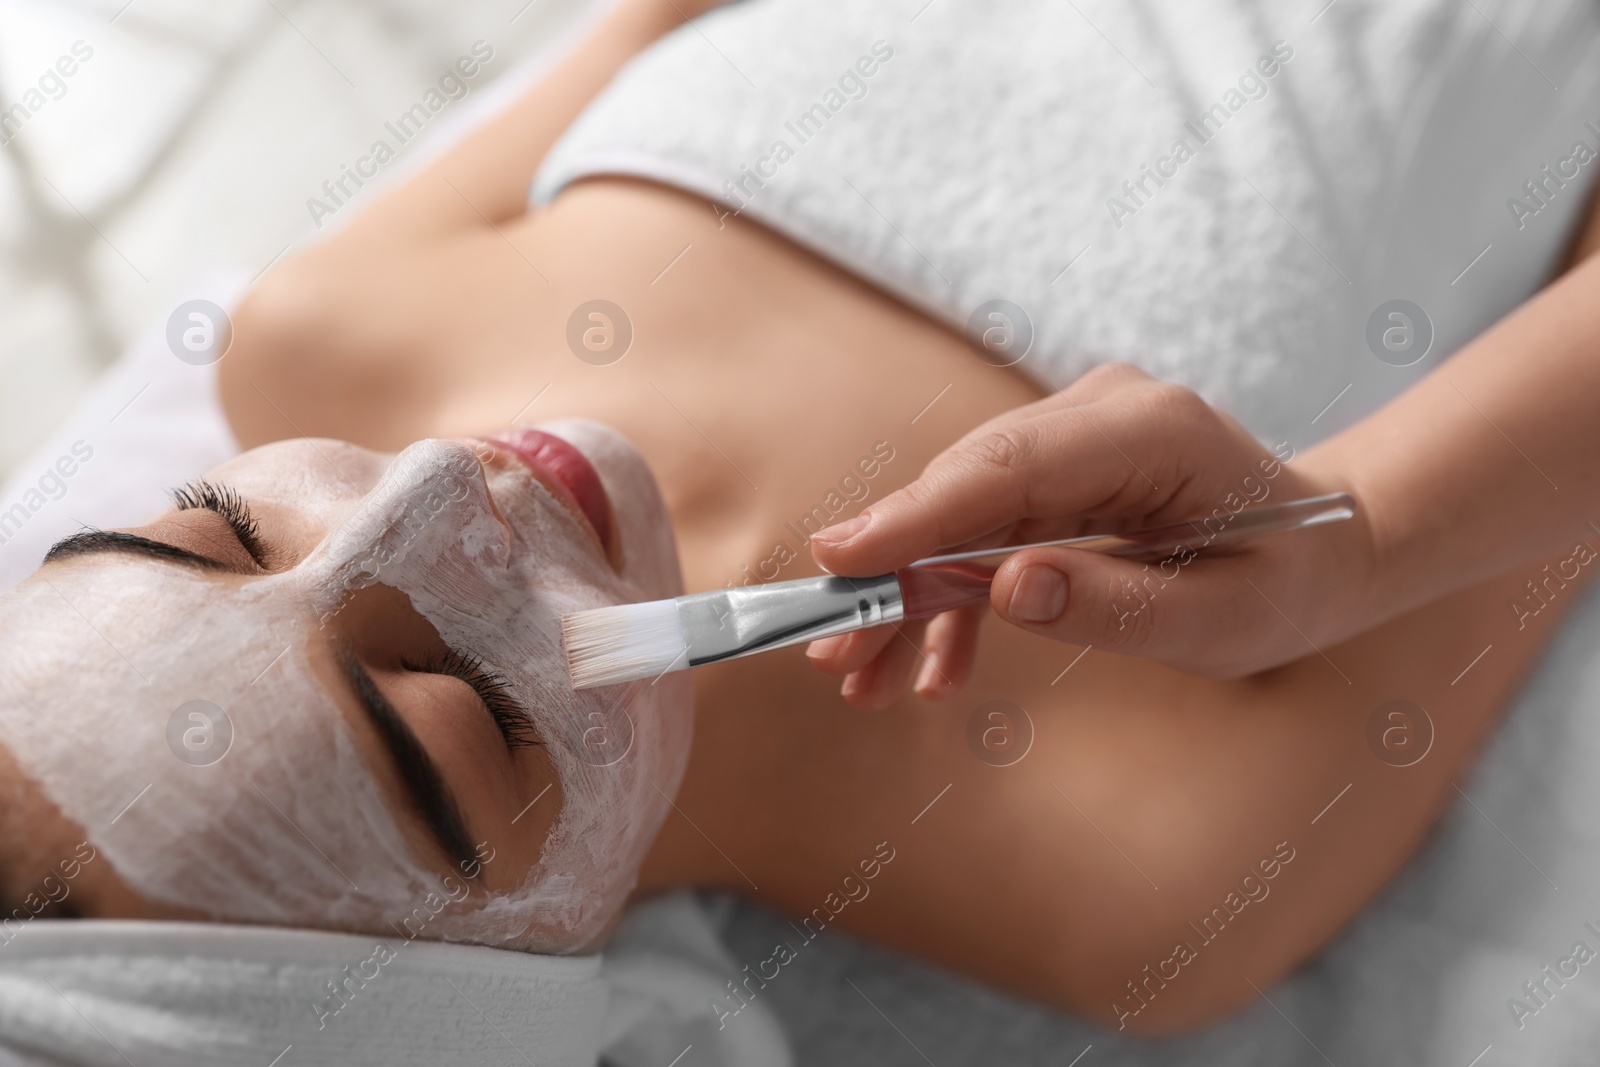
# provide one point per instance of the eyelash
(226, 502)
(493, 689)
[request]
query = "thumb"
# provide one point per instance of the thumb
(1157, 611)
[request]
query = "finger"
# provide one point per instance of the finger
(950, 649)
(1170, 612)
(882, 681)
(1102, 381)
(1049, 465)
(847, 653)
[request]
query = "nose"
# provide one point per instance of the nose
(431, 501)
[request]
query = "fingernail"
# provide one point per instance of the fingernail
(930, 680)
(825, 647)
(844, 531)
(1040, 595)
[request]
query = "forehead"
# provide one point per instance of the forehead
(187, 723)
(111, 629)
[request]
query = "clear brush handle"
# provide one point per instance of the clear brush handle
(940, 583)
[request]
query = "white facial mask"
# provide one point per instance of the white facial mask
(291, 826)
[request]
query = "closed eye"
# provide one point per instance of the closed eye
(226, 502)
(510, 718)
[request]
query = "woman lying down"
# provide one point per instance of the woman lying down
(443, 460)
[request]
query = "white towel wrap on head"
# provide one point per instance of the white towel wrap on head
(91, 992)
(107, 993)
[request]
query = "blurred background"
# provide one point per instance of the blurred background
(185, 148)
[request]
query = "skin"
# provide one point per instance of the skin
(758, 376)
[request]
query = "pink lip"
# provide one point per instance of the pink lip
(567, 472)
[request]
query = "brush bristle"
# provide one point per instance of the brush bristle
(606, 646)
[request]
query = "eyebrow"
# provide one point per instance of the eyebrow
(87, 542)
(425, 786)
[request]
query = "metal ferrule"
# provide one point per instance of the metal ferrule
(741, 622)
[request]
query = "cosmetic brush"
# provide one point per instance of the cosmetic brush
(627, 642)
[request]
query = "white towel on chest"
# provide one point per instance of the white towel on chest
(1004, 151)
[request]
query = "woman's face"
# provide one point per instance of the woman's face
(328, 689)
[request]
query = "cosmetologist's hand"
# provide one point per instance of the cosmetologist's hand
(1115, 451)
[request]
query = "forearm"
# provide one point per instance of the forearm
(1492, 461)
(485, 178)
